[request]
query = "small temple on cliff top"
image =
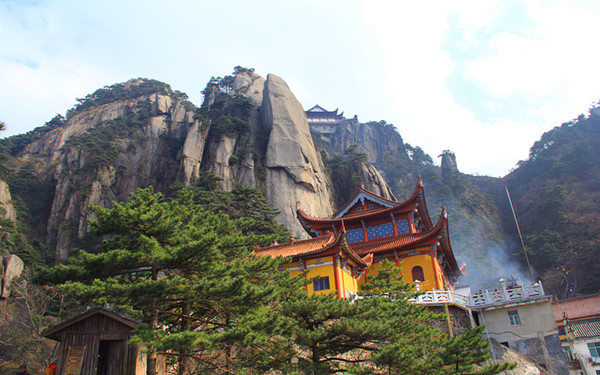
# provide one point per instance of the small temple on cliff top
(319, 115)
(345, 248)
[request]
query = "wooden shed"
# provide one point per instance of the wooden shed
(95, 342)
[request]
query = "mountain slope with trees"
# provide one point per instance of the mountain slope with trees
(557, 195)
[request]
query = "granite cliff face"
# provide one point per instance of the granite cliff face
(377, 140)
(275, 152)
(6, 202)
(295, 171)
(106, 152)
(249, 131)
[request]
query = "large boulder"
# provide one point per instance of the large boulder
(294, 169)
(250, 85)
(13, 267)
(375, 183)
(191, 154)
(6, 202)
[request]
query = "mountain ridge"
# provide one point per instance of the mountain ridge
(141, 133)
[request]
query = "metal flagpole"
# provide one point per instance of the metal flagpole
(520, 236)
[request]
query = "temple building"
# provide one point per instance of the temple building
(322, 121)
(319, 115)
(347, 246)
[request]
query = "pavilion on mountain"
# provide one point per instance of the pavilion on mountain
(347, 246)
(319, 115)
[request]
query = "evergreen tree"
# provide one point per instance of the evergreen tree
(412, 346)
(460, 354)
(165, 259)
(212, 307)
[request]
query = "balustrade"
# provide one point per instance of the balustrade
(481, 298)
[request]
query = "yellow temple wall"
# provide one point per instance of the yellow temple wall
(295, 268)
(325, 270)
(424, 261)
(406, 265)
(348, 282)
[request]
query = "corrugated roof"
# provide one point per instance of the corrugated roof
(585, 329)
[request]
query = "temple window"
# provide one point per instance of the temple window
(513, 317)
(355, 235)
(403, 226)
(417, 273)
(321, 283)
(381, 230)
(594, 348)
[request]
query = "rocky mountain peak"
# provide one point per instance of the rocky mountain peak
(249, 131)
(449, 167)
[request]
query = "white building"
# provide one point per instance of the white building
(519, 317)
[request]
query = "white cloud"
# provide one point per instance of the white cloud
(553, 65)
(536, 70)
(385, 60)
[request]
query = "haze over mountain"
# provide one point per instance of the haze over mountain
(253, 131)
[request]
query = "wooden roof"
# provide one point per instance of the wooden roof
(312, 247)
(54, 332)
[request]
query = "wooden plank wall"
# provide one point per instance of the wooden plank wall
(88, 333)
(90, 356)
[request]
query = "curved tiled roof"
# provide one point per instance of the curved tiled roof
(430, 232)
(416, 200)
(311, 246)
(439, 233)
(362, 190)
(408, 241)
(352, 216)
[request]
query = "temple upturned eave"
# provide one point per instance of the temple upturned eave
(310, 222)
(322, 245)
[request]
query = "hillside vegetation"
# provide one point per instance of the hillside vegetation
(557, 196)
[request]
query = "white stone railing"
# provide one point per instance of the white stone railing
(441, 296)
(481, 299)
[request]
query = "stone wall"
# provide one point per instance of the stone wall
(459, 319)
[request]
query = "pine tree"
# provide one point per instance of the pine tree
(412, 345)
(161, 257)
(212, 307)
(460, 354)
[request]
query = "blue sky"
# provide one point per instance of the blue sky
(484, 79)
